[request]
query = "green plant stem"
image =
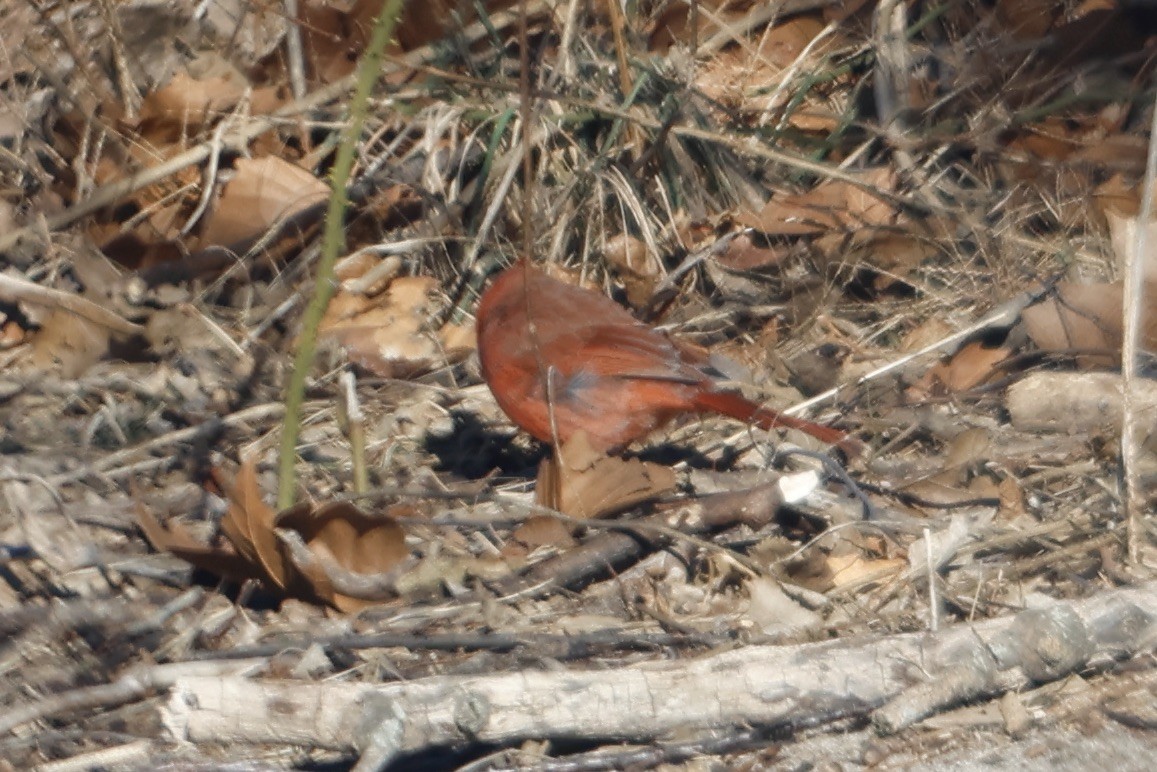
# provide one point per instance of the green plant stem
(333, 243)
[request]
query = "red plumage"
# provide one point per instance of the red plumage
(559, 359)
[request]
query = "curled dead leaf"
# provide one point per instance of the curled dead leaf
(248, 524)
(343, 546)
(175, 540)
(358, 542)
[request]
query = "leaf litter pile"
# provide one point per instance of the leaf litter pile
(922, 223)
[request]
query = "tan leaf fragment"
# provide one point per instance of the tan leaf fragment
(208, 87)
(357, 542)
(581, 482)
(537, 532)
(752, 81)
(387, 334)
(635, 267)
(940, 491)
(248, 524)
(68, 344)
(970, 367)
(835, 205)
(969, 448)
(178, 542)
(897, 254)
(263, 192)
(849, 569)
(630, 254)
(1084, 317)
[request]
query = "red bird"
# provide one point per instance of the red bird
(559, 359)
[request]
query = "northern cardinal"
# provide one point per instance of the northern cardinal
(559, 359)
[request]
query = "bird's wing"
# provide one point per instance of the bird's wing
(623, 351)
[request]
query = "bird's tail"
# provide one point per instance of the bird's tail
(743, 409)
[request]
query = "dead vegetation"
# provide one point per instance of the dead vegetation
(925, 223)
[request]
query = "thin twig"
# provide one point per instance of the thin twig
(1131, 436)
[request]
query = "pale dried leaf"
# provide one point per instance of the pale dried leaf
(263, 191)
(68, 344)
(387, 334)
(970, 367)
(1087, 316)
(852, 569)
(208, 87)
(631, 255)
(834, 205)
(581, 482)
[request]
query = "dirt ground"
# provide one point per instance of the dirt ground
(926, 225)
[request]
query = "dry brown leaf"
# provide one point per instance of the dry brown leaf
(209, 87)
(249, 524)
(337, 533)
(68, 343)
(897, 253)
(336, 33)
(945, 492)
(1086, 316)
(851, 568)
(743, 254)
(358, 542)
(386, 334)
(178, 542)
(1007, 491)
(968, 448)
(263, 192)
(538, 531)
(971, 366)
(581, 482)
(1117, 195)
(931, 330)
(750, 82)
(1116, 151)
(834, 205)
(674, 24)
